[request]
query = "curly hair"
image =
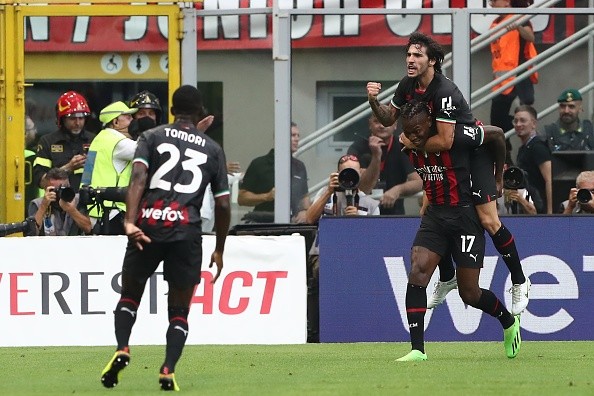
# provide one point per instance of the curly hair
(414, 108)
(434, 50)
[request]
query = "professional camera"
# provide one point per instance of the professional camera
(89, 195)
(348, 179)
(64, 193)
(27, 227)
(514, 178)
(584, 195)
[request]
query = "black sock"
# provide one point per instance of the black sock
(489, 303)
(446, 269)
(506, 246)
(124, 318)
(177, 333)
(416, 306)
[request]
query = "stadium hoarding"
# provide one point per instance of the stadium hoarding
(61, 291)
(254, 31)
(363, 278)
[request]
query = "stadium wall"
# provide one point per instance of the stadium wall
(363, 277)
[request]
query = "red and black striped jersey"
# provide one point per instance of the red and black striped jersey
(181, 162)
(446, 174)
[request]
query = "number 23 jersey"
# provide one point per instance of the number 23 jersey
(181, 162)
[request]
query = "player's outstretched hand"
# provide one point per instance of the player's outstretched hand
(216, 258)
(136, 235)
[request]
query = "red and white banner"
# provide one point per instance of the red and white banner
(63, 290)
(239, 32)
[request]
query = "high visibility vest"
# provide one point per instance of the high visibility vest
(505, 55)
(100, 166)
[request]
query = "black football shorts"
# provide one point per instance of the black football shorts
(182, 261)
(482, 176)
(454, 230)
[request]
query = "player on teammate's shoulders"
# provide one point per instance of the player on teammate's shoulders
(425, 82)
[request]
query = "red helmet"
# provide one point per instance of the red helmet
(71, 104)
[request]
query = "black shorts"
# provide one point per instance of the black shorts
(482, 176)
(182, 261)
(454, 230)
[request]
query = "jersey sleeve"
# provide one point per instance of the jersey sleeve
(399, 98)
(469, 136)
(142, 153)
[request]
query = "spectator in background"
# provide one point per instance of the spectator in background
(56, 213)
(67, 147)
(386, 168)
(534, 156)
(332, 201)
(149, 113)
(257, 188)
(31, 189)
(576, 203)
(109, 164)
(569, 132)
(508, 52)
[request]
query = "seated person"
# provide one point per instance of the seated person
(569, 132)
(386, 168)
(257, 188)
(332, 201)
(56, 213)
(579, 202)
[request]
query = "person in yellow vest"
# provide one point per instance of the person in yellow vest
(508, 52)
(109, 165)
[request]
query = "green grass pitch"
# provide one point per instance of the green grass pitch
(453, 368)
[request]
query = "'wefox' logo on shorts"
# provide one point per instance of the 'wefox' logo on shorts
(166, 214)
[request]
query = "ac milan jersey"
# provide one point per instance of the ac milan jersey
(181, 162)
(446, 174)
(443, 96)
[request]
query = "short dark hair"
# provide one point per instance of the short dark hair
(414, 108)
(56, 174)
(187, 100)
(434, 50)
(528, 109)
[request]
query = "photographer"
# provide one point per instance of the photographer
(580, 199)
(517, 197)
(56, 213)
(340, 198)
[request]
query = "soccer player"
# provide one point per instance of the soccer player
(173, 165)
(450, 224)
(425, 82)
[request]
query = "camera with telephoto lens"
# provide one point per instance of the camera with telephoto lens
(64, 193)
(27, 227)
(584, 195)
(514, 178)
(91, 195)
(348, 179)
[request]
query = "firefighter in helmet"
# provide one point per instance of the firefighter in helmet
(148, 115)
(67, 147)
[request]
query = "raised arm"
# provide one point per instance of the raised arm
(386, 114)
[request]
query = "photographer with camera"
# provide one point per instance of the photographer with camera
(340, 198)
(56, 213)
(581, 198)
(517, 196)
